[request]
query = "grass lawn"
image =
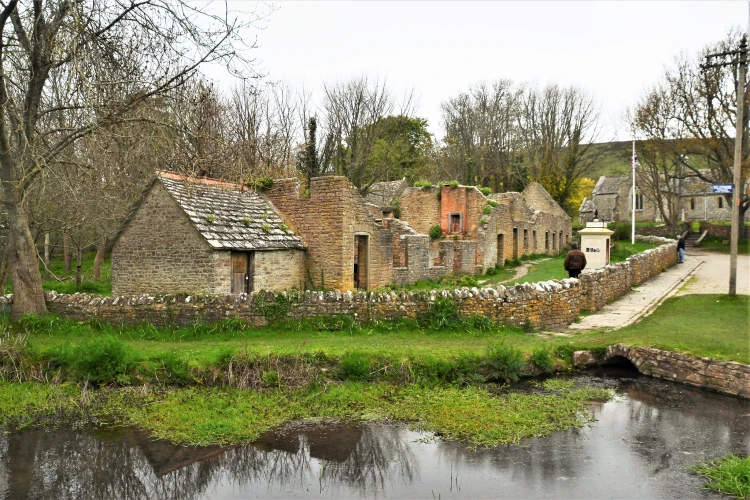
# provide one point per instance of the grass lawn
(553, 269)
(716, 326)
(431, 378)
(717, 245)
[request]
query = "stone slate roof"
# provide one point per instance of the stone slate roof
(587, 206)
(228, 216)
(609, 185)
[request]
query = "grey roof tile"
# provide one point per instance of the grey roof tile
(230, 218)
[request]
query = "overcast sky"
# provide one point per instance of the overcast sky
(613, 49)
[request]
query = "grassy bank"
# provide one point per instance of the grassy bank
(226, 382)
(210, 415)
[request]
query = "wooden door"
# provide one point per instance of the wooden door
(242, 272)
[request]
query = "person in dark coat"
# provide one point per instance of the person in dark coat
(680, 249)
(575, 261)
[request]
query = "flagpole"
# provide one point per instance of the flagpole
(632, 224)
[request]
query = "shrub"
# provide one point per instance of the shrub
(354, 366)
(492, 203)
(396, 205)
(266, 228)
(504, 363)
(484, 220)
(487, 209)
(260, 183)
(210, 218)
(101, 360)
(453, 184)
(443, 313)
(175, 368)
(436, 232)
(271, 378)
(422, 184)
(485, 190)
(283, 227)
(541, 360)
(246, 220)
(512, 262)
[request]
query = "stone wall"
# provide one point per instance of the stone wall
(160, 250)
(726, 377)
(548, 305)
(328, 221)
(420, 207)
(279, 270)
(724, 232)
(603, 285)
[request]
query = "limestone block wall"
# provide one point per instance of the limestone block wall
(328, 221)
(608, 283)
(279, 270)
(160, 251)
(725, 231)
(420, 207)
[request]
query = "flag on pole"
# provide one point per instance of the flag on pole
(636, 163)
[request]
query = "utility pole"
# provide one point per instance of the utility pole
(737, 58)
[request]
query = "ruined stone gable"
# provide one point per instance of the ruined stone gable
(328, 221)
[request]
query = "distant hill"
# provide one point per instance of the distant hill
(615, 158)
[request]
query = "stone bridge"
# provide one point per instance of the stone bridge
(726, 377)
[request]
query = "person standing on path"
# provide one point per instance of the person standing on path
(680, 249)
(575, 261)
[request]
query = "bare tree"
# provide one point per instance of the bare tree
(705, 116)
(557, 127)
(661, 170)
(354, 113)
(113, 56)
(481, 136)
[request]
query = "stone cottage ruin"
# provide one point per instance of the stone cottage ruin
(207, 236)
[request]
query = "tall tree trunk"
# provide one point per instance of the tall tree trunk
(46, 256)
(101, 248)
(28, 296)
(66, 252)
(79, 257)
(3, 271)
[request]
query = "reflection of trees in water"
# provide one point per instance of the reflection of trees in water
(380, 456)
(39, 463)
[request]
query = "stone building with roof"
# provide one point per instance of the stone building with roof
(611, 200)
(203, 235)
(196, 235)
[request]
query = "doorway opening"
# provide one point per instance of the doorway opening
(361, 261)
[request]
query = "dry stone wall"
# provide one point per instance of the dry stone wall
(608, 283)
(548, 305)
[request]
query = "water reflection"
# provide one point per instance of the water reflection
(640, 446)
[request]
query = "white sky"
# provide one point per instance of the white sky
(613, 49)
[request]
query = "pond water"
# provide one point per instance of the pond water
(639, 447)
